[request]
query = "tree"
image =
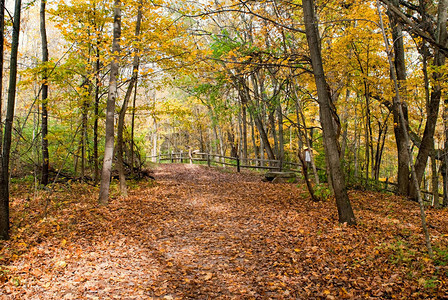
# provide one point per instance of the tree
(6, 143)
(110, 109)
(45, 154)
(122, 114)
(345, 211)
(398, 103)
(4, 204)
(435, 33)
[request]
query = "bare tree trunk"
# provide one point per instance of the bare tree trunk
(83, 142)
(301, 117)
(432, 113)
(244, 131)
(434, 181)
(382, 132)
(254, 143)
(6, 146)
(400, 69)
(367, 135)
(133, 127)
(264, 137)
(96, 171)
(154, 141)
(265, 145)
(45, 154)
(281, 142)
(345, 211)
(124, 107)
(444, 167)
(273, 131)
(397, 103)
(110, 109)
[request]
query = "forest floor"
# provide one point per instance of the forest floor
(201, 233)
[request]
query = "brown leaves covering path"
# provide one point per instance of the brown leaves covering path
(201, 233)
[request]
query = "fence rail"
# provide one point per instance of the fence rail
(253, 163)
(237, 162)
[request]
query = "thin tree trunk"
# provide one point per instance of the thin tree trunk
(444, 167)
(380, 150)
(345, 211)
(45, 154)
(254, 143)
(367, 134)
(273, 131)
(6, 149)
(434, 181)
(133, 127)
(264, 144)
(96, 171)
(110, 109)
(264, 137)
(427, 143)
(85, 107)
(244, 131)
(154, 139)
(301, 116)
(281, 142)
(124, 107)
(400, 69)
(397, 100)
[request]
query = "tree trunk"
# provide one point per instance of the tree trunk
(379, 149)
(124, 107)
(444, 169)
(398, 104)
(403, 174)
(301, 117)
(83, 142)
(2, 42)
(434, 181)
(110, 109)
(273, 131)
(264, 137)
(281, 142)
(264, 144)
(45, 154)
(345, 211)
(254, 143)
(445, 182)
(244, 131)
(133, 127)
(96, 171)
(6, 149)
(367, 132)
(432, 113)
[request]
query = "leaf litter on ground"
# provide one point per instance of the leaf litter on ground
(207, 233)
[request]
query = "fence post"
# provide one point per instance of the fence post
(190, 156)
(158, 158)
(280, 167)
(238, 163)
(181, 158)
(171, 156)
(208, 159)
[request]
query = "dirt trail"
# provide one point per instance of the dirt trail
(201, 233)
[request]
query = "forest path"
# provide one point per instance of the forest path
(205, 233)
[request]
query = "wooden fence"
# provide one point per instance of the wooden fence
(253, 163)
(238, 163)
